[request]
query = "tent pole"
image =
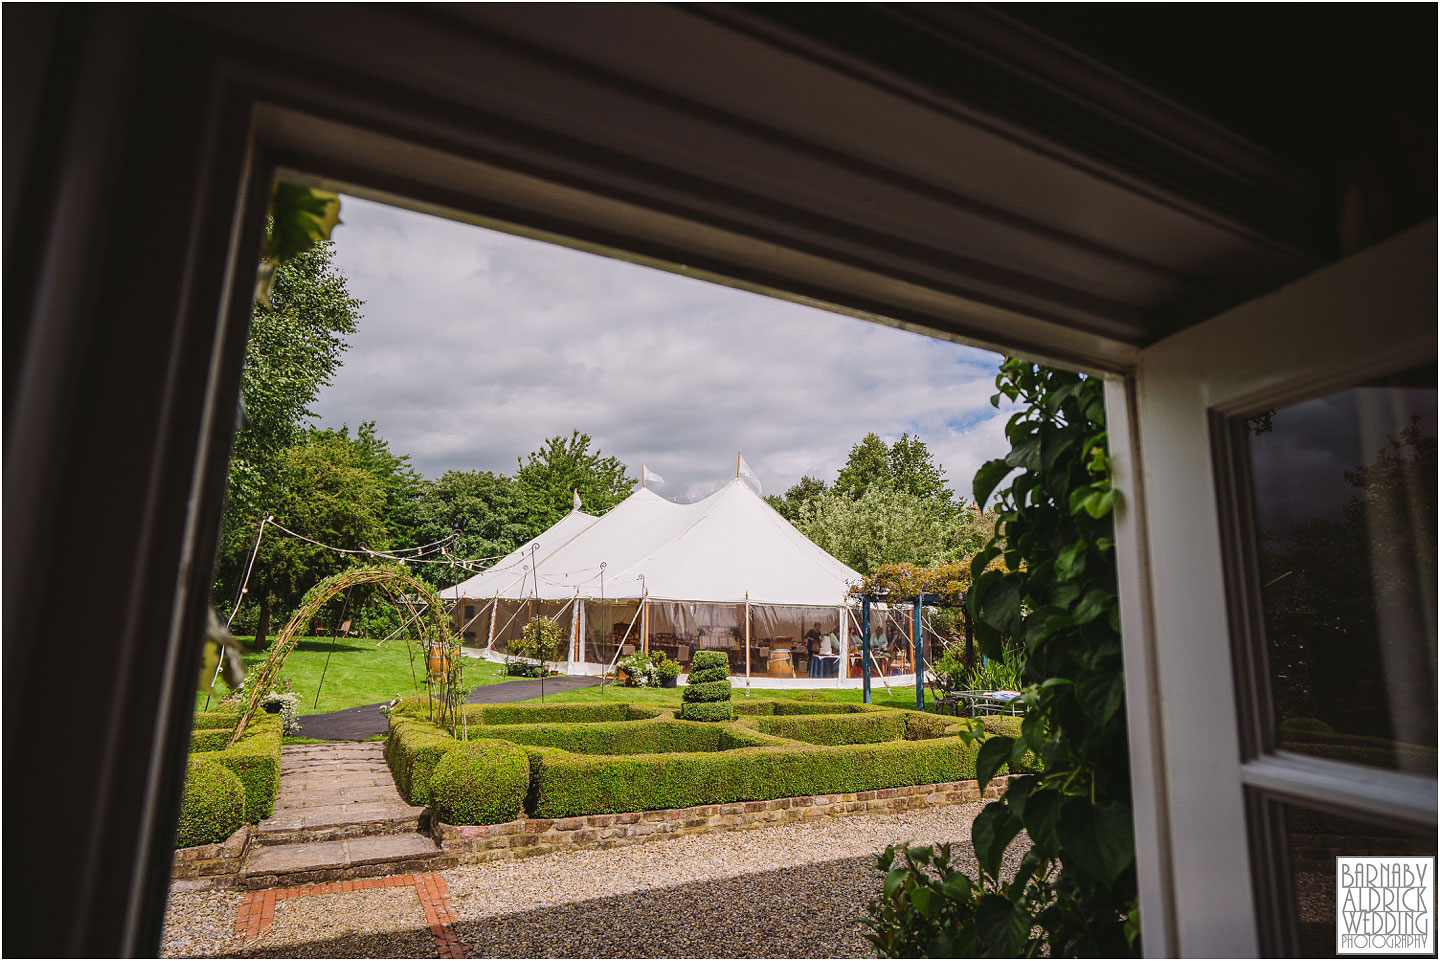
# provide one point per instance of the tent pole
(747, 623)
(494, 607)
(843, 666)
(865, 647)
(645, 623)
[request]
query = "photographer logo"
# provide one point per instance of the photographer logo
(1384, 905)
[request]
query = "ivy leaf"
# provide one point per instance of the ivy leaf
(993, 830)
(1004, 925)
(1100, 839)
(993, 753)
(1071, 560)
(1000, 606)
(1042, 818)
(1025, 454)
(988, 477)
(1100, 692)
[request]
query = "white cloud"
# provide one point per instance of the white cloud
(476, 345)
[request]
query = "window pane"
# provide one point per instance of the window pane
(1344, 497)
(1314, 840)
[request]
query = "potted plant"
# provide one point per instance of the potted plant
(634, 669)
(667, 670)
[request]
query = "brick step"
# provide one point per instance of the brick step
(342, 859)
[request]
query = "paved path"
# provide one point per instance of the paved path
(337, 816)
(363, 723)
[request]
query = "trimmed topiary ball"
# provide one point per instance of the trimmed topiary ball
(213, 806)
(480, 782)
(704, 659)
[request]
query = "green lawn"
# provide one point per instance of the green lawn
(359, 672)
(902, 697)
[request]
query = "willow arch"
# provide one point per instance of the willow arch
(404, 590)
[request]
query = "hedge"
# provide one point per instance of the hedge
(707, 711)
(708, 675)
(613, 737)
(481, 782)
(1006, 724)
(255, 760)
(412, 750)
(212, 720)
(570, 785)
(209, 739)
(837, 728)
(552, 713)
(753, 708)
(213, 806)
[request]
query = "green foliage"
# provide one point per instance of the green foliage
(412, 751)
(546, 482)
(838, 728)
(568, 785)
(636, 669)
(1056, 599)
(883, 525)
(666, 668)
(215, 739)
(800, 494)
(479, 509)
(480, 782)
(707, 697)
(929, 908)
(907, 466)
(754, 708)
(708, 711)
(215, 720)
(294, 349)
(709, 691)
(213, 805)
(551, 713)
(255, 760)
(541, 640)
(660, 736)
(997, 673)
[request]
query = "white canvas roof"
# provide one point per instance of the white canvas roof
(714, 550)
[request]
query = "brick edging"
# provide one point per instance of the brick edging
(530, 836)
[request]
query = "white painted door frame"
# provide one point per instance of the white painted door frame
(1369, 314)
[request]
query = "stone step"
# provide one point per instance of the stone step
(345, 859)
(337, 822)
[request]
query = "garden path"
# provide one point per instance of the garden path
(337, 816)
(363, 723)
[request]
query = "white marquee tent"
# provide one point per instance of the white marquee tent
(726, 572)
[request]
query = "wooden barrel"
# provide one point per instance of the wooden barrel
(780, 663)
(437, 661)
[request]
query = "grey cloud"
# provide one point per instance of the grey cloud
(476, 345)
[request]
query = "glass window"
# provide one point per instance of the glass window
(1344, 490)
(1313, 839)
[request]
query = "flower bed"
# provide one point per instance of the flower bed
(590, 759)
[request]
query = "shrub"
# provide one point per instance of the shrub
(710, 691)
(613, 737)
(566, 785)
(213, 806)
(838, 728)
(480, 782)
(762, 708)
(212, 720)
(202, 741)
(921, 727)
(255, 760)
(1006, 724)
(707, 696)
(413, 750)
(549, 713)
(708, 675)
(707, 711)
(666, 668)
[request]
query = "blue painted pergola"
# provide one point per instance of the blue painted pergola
(918, 633)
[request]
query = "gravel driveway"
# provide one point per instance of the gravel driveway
(791, 890)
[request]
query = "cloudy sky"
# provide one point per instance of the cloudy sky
(476, 345)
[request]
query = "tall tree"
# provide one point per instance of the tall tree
(794, 499)
(296, 340)
(885, 525)
(547, 480)
(481, 510)
(906, 465)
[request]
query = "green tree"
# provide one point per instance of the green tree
(804, 491)
(481, 509)
(906, 464)
(546, 481)
(296, 341)
(885, 525)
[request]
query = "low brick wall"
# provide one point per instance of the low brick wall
(530, 836)
(212, 865)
